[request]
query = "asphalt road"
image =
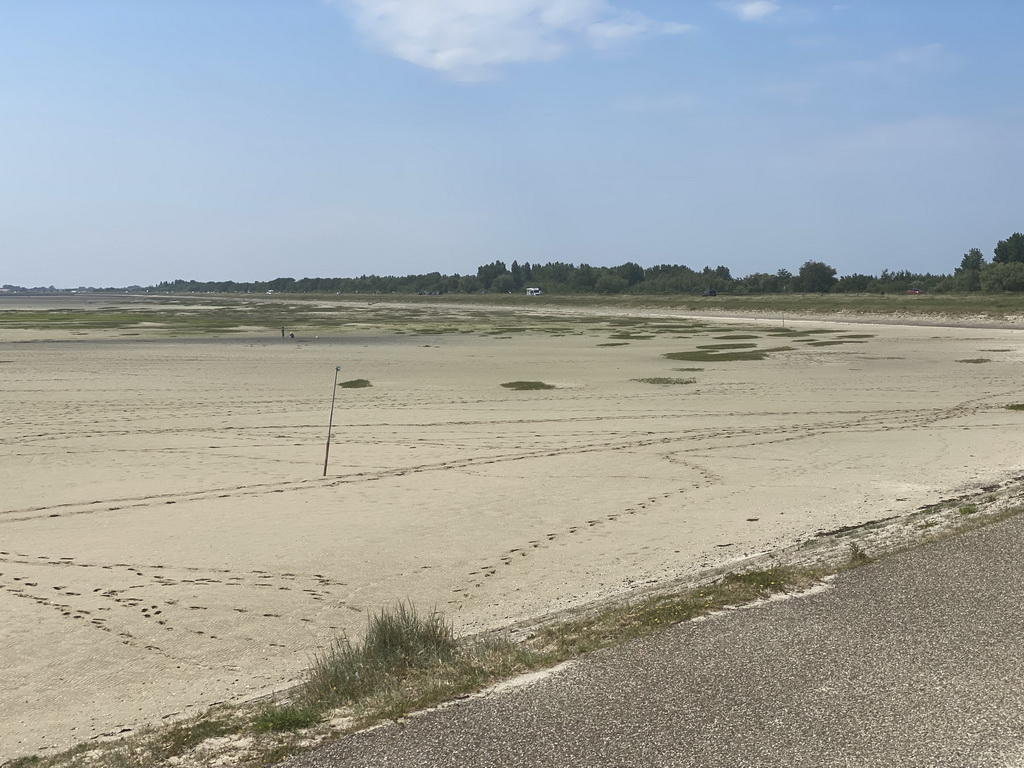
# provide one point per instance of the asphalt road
(916, 660)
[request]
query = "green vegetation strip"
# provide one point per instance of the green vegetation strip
(665, 380)
(355, 384)
(527, 385)
(834, 342)
(321, 310)
(1015, 407)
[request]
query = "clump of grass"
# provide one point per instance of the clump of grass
(397, 641)
(1015, 407)
(408, 661)
(355, 384)
(632, 336)
(759, 584)
(286, 718)
(435, 331)
(968, 509)
(527, 385)
(858, 556)
(182, 737)
(614, 344)
(688, 370)
(402, 637)
(474, 665)
(975, 360)
(737, 336)
(665, 380)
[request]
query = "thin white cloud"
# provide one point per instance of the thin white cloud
(753, 10)
(468, 39)
(812, 42)
(923, 58)
(795, 93)
(629, 25)
(667, 104)
(900, 68)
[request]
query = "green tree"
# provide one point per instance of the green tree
(610, 283)
(503, 283)
(1010, 250)
(785, 280)
(279, 284)
(631, 272)
(1003, 277)
(488, 272)
(584, 278)
(854, 283)
(967, 277)
(973, 259)
(815, 277)
(517, 274)
(555, 275)
(759, 282)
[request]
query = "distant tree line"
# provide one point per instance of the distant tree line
(1004, 273)
(42, 289)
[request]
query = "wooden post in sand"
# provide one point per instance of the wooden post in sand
(330, 421)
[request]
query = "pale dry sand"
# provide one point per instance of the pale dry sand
(167, 541)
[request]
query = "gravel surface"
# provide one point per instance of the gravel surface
(916, 660)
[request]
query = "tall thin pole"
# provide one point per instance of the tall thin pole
(330, 422)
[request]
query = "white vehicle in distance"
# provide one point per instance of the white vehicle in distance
(534, 291)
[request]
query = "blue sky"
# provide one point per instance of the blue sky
(148, 140)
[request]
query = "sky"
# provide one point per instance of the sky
(150, 140)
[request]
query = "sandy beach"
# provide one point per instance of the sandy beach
(167, 540)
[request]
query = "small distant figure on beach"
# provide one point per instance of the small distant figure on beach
(282, 331)
(291, 335)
